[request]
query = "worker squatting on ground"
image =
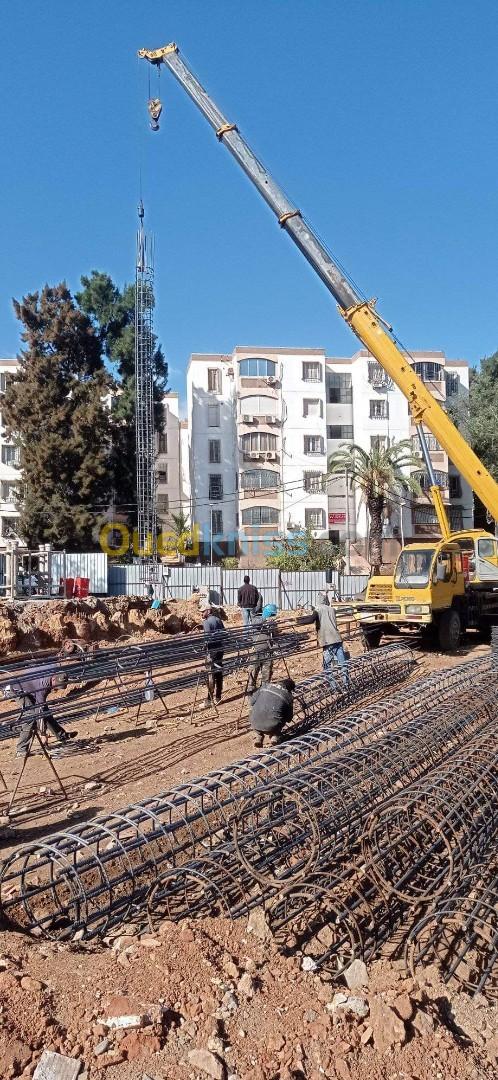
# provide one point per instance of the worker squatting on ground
(272, 706)
(264, 631)
(248, 598)
(212, 625)
(34, 690)
(324, 618)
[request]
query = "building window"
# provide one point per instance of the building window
(257, 367)
(378, 442)
(428, 371)
(260, 515)
(10, 455)
(313, 444)
(259, 441)
(7, 491)
(214, 380)
(312, 371)
(3, 381)
(379, 409)
(313, 482)
(452, 383)
(162, 476)
(213, 415)
(376, 373)
(432, 443)
(258, 405)
(340, 389)
(163, 504)
(215, 486)
(312, 407)
(217, 521)
(340, 431)
(455, 484)
(10, 527)
(334, 536)
(262, 479)
(314, 518)
(163, 443)
(456, 518)
(440, 478)
(214, 451)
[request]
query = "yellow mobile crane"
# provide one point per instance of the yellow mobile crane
(447, 585)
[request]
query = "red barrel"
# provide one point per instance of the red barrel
(68, 590)
(81, 586)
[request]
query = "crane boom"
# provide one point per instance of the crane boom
(360, 314)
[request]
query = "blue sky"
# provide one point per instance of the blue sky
(378, 117)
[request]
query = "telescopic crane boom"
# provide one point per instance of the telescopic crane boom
(360, 314)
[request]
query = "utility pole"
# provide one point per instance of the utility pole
(348, 534)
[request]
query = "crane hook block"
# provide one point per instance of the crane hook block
(155, 109)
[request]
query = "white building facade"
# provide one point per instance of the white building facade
(262, 423)
(9, 472)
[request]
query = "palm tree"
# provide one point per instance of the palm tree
(180, 529)
(379, 475)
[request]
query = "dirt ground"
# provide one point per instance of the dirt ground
(212, 998)
(116, 760)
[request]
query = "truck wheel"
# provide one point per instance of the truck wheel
(449, 631)
(373, 637)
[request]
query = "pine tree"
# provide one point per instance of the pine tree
(54, 409)
(112, 312)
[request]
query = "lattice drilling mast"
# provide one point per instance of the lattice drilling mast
(144, 401)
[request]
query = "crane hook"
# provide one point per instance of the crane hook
(155, 109)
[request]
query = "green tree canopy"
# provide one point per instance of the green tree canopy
(379, 475)
(302, 551)
(112, 312)
(54, 409)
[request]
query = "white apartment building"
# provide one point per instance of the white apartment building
(9, 473)
(262, 423)
(364, 406)
(172, 463)
(257, 423)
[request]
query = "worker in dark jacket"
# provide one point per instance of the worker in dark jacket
(214, 631)
(272, 706)
(329, 637)
(247, 599)
(264, 629)
(35, 689)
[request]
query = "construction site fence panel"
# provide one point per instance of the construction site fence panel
(288, 591)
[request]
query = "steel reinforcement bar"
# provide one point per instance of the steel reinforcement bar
(82, 881)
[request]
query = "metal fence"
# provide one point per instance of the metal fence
(287, 590)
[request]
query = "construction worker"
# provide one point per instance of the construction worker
(35, 689)
(212, 625)
(272, 706)
(247, 599)
(264, 629)
(329, 637)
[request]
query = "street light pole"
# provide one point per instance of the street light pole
(348, 540)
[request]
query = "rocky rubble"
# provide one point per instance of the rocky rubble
(212, 999)
(43, 624)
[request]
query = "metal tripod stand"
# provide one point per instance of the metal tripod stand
(41, 739)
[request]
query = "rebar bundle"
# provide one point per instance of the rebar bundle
(140, 672)
(83, 881)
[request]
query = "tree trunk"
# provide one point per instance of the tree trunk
(375, 509)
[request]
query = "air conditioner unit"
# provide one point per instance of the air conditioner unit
(270, 455)
(230, 371)
(271, 419)
(252, 454)
(271, 380)
(246, 419)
